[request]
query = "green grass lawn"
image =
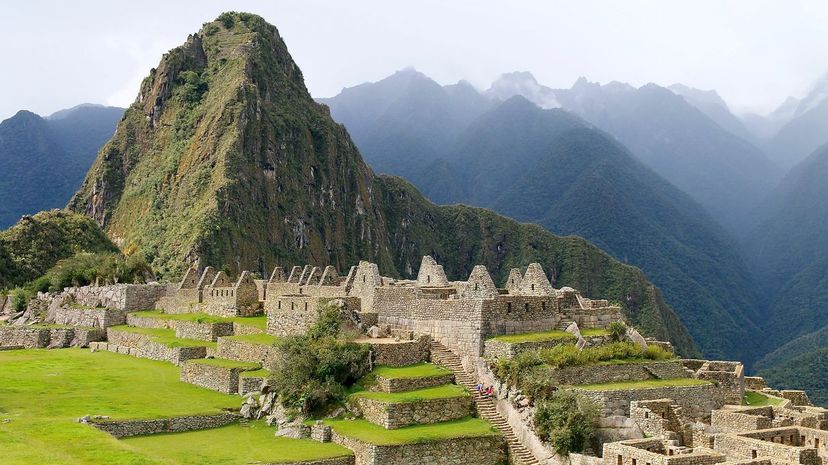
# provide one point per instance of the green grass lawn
(439, 392)
(757, 399)
(165, 336)
(261, 373)
(222, 362)
(533, 337)
(420, 370)
(259, 322)
(43, 392)
(262, 339)
(233, 445)
(594, 332)
(374, 434)
(652, 383)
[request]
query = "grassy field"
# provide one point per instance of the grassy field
(43, 392)
(233, 445)
(254, 321)
(371, 433)
(420, 370)
(165, 336)
(439, 392)
(757, 399)
(652, 383)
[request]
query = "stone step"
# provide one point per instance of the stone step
(485, 406)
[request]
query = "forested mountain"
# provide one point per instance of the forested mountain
(226, 160)
(44, 160)
(551, 167)
(790, 249)
(725, 174)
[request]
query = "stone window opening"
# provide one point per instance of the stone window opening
(306, 306)
(670, 452)
(620, 460)
(543, 305)
(509, 307)
(476, 287)
(646, 415)
(300, 289)
(816, 443)
(526, 307)
(364, 278)
(634, 462)
(279, 305)
(291, 305)
(753, 453)
(533, 287)
(428, 279)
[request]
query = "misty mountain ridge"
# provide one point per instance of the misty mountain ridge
(551, 167)
(44, 160)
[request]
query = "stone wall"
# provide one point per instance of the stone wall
(128, 297)
(399, 353)
(22, 336)
(494, 349)
(89, 317)
(398, 415)
(246, 352)
(217, 378)
(129, 428)
(650, 452)
(248, 384)
(696, 401)
(294, 315)
(489, 450)
(744, 446)
(347, 460)
(727, 420)
(141, 345)
(411, 384)
(599, 374)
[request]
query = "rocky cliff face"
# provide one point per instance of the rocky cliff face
(225, 160)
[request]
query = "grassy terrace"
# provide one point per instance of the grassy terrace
(234, 444)
(43, 392)
(653, 383)
(373, 434)
(165, 336)
(261, 339)
(554, 335)
(259, 322)
(221, 362)
(445, 391)
(420, 370)
(757, 399)
(260, 373)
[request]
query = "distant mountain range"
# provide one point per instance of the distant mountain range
(44, 160)
(550, 167)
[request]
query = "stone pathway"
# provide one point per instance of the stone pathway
(485, 406)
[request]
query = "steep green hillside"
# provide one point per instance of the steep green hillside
(802, 372)
(44, 160)
(725, 174)
(33, 245)
(226, 160)
(460, 237)
(548, 167)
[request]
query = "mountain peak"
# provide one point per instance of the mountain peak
(523, 83)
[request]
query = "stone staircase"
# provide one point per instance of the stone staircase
(518, 453)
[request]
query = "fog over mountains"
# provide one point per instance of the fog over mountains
(667, 179)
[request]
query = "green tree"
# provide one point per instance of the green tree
(566, 421)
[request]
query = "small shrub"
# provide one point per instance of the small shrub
(617, 331)
(227, 19)
(20, 299)
(566, 421)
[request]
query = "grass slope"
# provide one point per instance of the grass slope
(420, 370)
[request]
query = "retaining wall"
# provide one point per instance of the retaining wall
(129, 428)
(489, 450)
(398, 415)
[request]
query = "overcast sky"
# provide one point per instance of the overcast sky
(753, 52)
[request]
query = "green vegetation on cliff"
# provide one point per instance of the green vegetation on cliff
(226, 160)
(36, 243)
